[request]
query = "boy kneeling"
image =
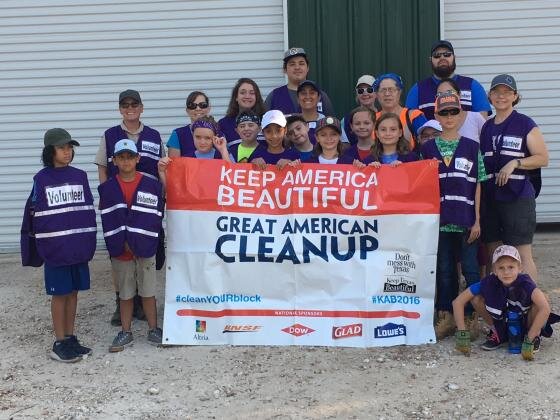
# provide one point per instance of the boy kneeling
(505, 289)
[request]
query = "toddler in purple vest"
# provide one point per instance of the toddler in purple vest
(59, 229)
(505, 289)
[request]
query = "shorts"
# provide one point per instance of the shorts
(66, 279)
(510, 222)
(136, 274)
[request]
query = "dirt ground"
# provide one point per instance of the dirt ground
(429, 381)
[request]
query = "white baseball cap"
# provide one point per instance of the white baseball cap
(125, 145)
(431, 124)
(273, 116)
(506, 251)
(366, 79)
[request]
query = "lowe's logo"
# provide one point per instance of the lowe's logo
(389, 330)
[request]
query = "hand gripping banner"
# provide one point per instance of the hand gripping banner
(321, 255)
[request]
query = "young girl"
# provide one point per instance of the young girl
(329, 146)
(362, 121)
(181, 142)
(273, 153)
(59, 225)
(207, 142)
(390, 147)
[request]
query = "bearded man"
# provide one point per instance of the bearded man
(442, 58)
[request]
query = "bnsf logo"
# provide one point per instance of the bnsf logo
(241, 328)
(298, 330)
(346, 331)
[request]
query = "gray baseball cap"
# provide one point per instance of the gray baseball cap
(503, 79)
(59, 137)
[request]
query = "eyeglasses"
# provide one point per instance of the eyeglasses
(194, 105)
(361, 91)
(446, 54)
(127, 105)
(447, 112)
(388, 90)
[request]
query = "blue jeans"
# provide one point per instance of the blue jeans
(453, 248)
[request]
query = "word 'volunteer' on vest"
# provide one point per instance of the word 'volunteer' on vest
(325, 186)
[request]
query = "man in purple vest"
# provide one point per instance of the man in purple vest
(150, 148)
(442, 58)
(284, 98)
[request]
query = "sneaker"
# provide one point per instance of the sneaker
(123, 339)
(116, 318)
(155, 335)
(62, 352)
(445, 325)
(472, 325)
(72, 341)
(138, 311)
(492, 341)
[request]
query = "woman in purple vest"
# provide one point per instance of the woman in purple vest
(245, 96)
(59, 229)
(181, 141)
(512, 145)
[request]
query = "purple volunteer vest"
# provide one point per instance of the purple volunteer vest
(149, 148)
(352, 154)
(427, 90)
(352, 139)
(64, 216)
(186, 140)
(501, 143)
(138, 225)
(500, 298)
(403, 157)
(282, 101)
(227, 127)
(457, 182)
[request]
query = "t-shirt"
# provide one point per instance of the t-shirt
(389, 158)
(128, 189)
(327, 161)
(273, 158)
(363, 154)
(447, 150)
(305, 156)
(243, 152)
(472, 125)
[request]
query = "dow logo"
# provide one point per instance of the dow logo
(298, 330)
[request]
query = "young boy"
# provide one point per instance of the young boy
(505, 289)
(59, 229)
(461, 170)
(428, 131)
(131, 207)
(247, 126)
(298, 136)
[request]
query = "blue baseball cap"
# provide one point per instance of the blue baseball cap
(125, 145)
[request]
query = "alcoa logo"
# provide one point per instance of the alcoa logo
(298, 330)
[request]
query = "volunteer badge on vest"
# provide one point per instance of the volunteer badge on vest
(447, 160)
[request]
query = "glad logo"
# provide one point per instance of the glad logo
(298, 330)
(346, 331)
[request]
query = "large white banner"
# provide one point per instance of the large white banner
(316, 255)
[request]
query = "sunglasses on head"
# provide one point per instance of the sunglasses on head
(194, 105)
(126, 105)
(361, 91)
(446, 112)
(446, 54)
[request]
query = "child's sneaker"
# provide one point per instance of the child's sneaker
(492, 341)
(123, 339)
(155, 335)
(445, 325)
(62, 352)
(72, 341)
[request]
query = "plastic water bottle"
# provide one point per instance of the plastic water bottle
(514, 332)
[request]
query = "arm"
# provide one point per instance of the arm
(542, 312)
(101, 161)
(162, 168)
(173, 145)
(479, 99)
(475, 229)
(459, 308)
(412, 97)
(102, 172)
(221, 146)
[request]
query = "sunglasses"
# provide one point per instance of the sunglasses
(446, 54)
(361, 91)
(447, 92)
(194, 105)
(447, 112)
(127, 105)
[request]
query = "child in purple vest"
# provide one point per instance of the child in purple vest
(505, 289)
(59, 229)
(461, 169)
(131, 207)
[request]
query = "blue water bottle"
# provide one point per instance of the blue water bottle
(514, 332)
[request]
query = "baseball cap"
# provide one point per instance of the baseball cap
(294, 52)
(366, 79)
(129, 93)
(447, 101)
(506, 251)
(58, 137)
(503, 79)
(125, 145)
(430, 124)
(308, 83)
(328, 122)
(273, 117)
(442, 43)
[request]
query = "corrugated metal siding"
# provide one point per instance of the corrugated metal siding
(520, 37)
(64, 62)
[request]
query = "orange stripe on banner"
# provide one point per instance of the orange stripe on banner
(219, 186)
(299, 313)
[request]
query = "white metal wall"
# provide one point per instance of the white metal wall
(63, 63)
(520, 37)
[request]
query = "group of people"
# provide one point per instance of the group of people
(486, 187)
